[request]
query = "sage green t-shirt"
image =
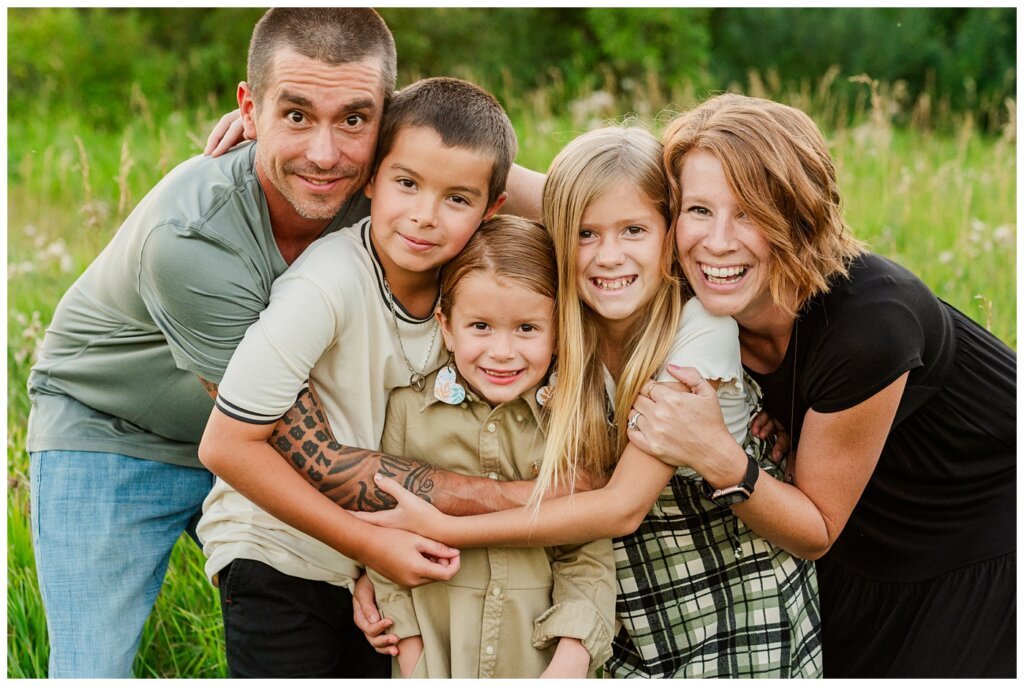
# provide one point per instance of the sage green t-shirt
(167, 300)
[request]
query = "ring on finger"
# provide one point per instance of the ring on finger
(650, 387)
(631, 424)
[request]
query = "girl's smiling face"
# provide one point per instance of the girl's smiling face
(618, 260)
(502, 335)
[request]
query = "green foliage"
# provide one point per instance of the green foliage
(960, 58)
(107, 65)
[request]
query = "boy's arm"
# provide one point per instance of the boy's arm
(583, 605)
(345, 474)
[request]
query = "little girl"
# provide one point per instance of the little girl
(509, 612)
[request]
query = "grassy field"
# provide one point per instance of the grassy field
(944, 206)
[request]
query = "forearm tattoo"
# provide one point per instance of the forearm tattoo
(345, 475)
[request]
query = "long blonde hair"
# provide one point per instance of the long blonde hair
(779, 168)
(579, 433)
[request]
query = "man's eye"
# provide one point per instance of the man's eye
(354, 120)
(295, 117)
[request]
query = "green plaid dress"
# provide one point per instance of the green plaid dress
(701, 595)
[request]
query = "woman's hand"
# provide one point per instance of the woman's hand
(368, 619)
(411, 513)
(225, 135)
(680, 423)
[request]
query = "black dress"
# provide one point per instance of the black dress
(922, 581)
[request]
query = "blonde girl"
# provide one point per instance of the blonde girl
(700, 594)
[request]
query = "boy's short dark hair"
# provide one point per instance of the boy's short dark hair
(335, 35)
(463, 115)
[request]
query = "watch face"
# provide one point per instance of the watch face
(726, 496)
(731, 498)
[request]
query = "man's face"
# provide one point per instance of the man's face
(317, 128)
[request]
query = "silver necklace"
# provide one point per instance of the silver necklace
(416, 378)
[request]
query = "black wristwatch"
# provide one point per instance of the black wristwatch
(738, 493)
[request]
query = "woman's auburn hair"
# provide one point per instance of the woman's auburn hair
(580, 435)
(778, 166)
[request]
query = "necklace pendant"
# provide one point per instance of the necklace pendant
(417, 381)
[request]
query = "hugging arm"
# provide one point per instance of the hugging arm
(615, 509)
(837, 454)
(345, 475)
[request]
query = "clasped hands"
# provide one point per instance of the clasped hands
(680, 422)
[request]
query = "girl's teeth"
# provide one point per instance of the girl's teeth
(615, 284)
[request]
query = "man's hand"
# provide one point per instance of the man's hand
(368, 620)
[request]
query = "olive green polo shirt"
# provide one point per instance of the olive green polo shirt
(167, 301)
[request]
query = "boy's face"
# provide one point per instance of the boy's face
(428, 199)
(317, 129)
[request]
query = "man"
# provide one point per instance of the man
(117, 411)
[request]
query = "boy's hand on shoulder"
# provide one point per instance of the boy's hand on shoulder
(570, 661)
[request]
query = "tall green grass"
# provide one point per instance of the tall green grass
(945, 206)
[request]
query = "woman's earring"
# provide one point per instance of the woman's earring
(447, 388)
(545, 392)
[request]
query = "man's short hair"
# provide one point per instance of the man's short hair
(463, 115)
(330, 35)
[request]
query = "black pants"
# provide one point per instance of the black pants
(280, 626)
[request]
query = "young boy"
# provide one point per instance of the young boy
(354, 316)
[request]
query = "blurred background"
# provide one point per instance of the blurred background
(918, 106)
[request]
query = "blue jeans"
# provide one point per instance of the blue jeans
(103, 526)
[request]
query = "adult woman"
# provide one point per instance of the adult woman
(901, 408)
(699, 592)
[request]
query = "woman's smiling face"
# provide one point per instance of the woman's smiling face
(723, 253)
(618, 260)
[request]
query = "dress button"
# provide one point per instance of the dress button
(496, 591)
(491, 427)
(463, 405)
(519, 417)
(492, 475)
(489, 650)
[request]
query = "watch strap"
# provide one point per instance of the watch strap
(738, 493)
